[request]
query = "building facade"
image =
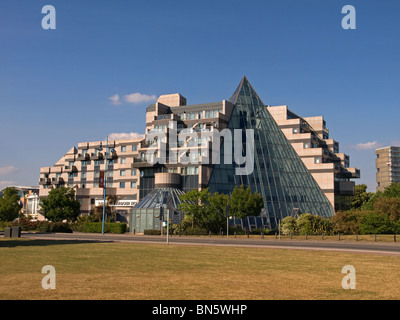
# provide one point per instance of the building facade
(309, 136)
(217, 145)
(80, 168)
(387, 166)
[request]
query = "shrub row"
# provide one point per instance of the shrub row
(40, 226)
(109, 227)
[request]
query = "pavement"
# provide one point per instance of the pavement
(385, 248)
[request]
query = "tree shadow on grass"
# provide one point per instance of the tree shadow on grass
(24, 242)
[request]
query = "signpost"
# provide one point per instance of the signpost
(176, 217)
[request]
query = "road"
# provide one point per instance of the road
(344, 246)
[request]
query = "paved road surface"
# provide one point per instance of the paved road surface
(360, 247)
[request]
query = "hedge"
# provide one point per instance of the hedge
(109, 227)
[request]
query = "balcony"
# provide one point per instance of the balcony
(70, 168)
(97, 156)
(44, 181)
(140, 163)
(112, 155)
(83, 156)
(57, 180)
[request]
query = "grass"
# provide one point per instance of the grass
(182, 272)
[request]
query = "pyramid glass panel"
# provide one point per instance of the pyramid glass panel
(279, 174)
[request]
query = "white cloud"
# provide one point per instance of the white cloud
(367, 145)
(7, 170)
(115, 99)
(136, 98)
(126, 135)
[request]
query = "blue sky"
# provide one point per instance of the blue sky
(55, 85)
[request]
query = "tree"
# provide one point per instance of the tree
(374, 222)
(98, 213)
(360, 197)
(216, 211)
(9, 205)
(305, 223)
(389, 207)
(61, 205)
(194, 204)
(244, 203)
(288, 225)
(347, 222)
(392, 190)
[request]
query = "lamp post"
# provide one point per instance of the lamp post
(104, 188)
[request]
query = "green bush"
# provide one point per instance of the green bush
(376, 223)
(25, 224)
(109, 227)
(5, 224)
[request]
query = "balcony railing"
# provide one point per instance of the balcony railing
(97, 156)
(70, 168)
(83, 156)
(44, 181)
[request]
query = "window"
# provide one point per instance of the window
(83, 174)
(110, 174)
(123, 160)
(306, 145)
(97, 174)
(122, 173)
(122, 185)
(133, 172)
(295, 130)
(123, 148)
(84, 163)
(134, 148)
(133, 184)
(317, 160)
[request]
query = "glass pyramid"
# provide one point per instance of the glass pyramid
(279, 174)
(155, 198)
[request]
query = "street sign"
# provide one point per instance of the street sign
(176, 217)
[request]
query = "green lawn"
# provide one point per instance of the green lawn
(147, 272)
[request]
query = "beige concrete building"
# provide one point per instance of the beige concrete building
(330, 168)
(289, 160)
(80, 168)
(387, 166)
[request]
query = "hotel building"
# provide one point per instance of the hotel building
(309, 136)
(218, 145)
